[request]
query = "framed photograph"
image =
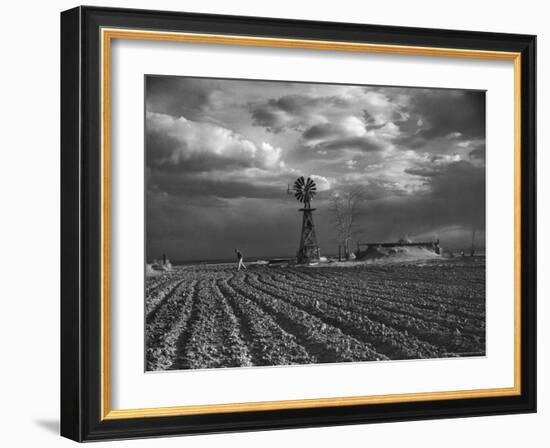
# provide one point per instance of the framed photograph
(273, 223)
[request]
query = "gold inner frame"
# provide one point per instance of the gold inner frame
(107, 35)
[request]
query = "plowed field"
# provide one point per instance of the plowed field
(212, 316)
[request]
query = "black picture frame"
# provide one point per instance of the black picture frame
(81, 224)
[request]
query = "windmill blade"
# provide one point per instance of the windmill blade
(304, 189)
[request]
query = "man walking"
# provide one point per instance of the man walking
(240, 258)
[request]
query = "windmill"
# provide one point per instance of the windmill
(303, 191)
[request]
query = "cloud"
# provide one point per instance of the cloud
(195, 146)
(349, 134)
(381, 108)
(296, 112)
(365, 144)
(194, 98)
(321, 131)
(449, 112)
(478, 153)
(351, 163)
(249, 183)
(200, 159)
(428, 165)
(322, 183)
(348, 109)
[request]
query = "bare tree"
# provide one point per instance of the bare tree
(345, 207)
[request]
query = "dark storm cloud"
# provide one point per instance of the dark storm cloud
(371, 122)
(214, 185)
(365, 144)
(349, 136)
(291, 111)
(456, 196)
(477, 151)
(377, 189)
(423, 171)
(444, 114)
(178, 96)
(450, 112)
(321, 131)
(270, 119)
(256, 227)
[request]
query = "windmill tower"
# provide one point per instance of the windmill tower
(304, 190)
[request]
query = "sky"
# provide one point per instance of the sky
(220, 154)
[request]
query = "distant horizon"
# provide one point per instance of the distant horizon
(176, 261)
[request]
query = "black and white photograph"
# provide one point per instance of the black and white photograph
(294, 223)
